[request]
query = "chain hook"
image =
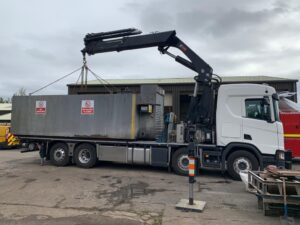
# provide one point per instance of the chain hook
(84, 61)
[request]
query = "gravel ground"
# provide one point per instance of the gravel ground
(116, 194)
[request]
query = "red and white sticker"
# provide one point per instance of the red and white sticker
(87, 107)
(40, 107)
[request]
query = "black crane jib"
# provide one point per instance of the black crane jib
(129, 39)
(201, 110)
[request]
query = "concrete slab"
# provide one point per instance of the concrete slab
(198, 206)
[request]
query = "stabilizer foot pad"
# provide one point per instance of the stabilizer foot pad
(198, 206)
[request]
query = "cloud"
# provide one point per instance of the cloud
(41, 41)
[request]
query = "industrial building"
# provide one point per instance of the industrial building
(5, 112)
(177, 90)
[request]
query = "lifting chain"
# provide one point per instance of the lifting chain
(84, 69)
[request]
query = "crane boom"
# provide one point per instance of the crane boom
(122, 40)
(201, 109)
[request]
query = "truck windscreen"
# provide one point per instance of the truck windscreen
(276, 109)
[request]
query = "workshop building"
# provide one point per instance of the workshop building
(5, 113)
(178, 91)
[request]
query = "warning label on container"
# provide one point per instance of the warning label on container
(40, 107)
(87, 107)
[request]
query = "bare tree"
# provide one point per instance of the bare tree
(20, 92)
(5, 100)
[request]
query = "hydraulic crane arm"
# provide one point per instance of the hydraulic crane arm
(201, 109)
(122, 40)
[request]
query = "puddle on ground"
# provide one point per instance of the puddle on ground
(125, 193)
(11, 176)
(116, 184)
(86, 179)
(232, 206)
(29, 180)
(202, 187)
(218, 182)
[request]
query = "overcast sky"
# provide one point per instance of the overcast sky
(40, 41)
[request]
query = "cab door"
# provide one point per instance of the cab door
(259, 127)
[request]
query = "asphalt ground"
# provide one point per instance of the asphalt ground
(116, 194)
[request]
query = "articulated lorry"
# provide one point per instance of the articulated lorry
(232, 127)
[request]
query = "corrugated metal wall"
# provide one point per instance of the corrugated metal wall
(176, 90)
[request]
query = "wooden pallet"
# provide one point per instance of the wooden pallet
(275, 172)
(269, 191)
(273, 206)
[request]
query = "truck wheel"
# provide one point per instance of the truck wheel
(31, 146)
(59, 154)
(241, 161)
(85, 156)
(180, 162)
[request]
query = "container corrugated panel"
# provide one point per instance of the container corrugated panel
(114, 116)
(151, 124)
(159, 115)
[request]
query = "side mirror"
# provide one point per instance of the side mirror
(275, 96)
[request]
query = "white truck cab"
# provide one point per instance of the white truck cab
(247, 117)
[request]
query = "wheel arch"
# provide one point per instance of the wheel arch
(233, 147)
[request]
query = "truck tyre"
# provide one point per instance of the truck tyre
(32, 146)
(180, 162)
(85, 156)
(241, 161)
(59, 154)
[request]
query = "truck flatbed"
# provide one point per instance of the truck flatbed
(120, 142)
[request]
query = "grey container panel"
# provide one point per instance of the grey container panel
(112, 153)
(112, 116)
(124, 154)
(151, 125)
(149, 94)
